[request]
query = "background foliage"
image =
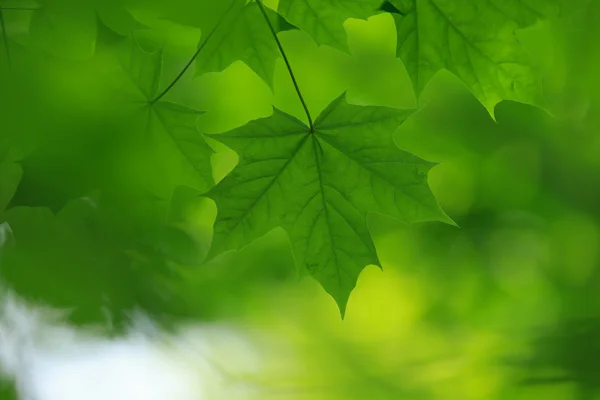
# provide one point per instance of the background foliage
(102, 213)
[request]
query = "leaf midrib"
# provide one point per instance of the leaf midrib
(333, 247)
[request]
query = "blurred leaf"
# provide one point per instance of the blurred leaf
(66, 165)
(56, 260)
(174, 243)
(65, 27)
(75, 261)
(170, 143)
(115, 18)
(133, 146)
(69, 27)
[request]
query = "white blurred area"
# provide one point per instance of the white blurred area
(50, 360)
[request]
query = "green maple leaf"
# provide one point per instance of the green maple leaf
(475, 40)
(146, 150)
(79, 259)
(319, 186)
(231, 30)
(324, 20)
(171, 148)
(244, 35)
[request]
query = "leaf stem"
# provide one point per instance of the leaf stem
(287, 63)
(191, 61)
(5, 39)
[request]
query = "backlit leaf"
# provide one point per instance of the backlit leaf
(319, 186)
(476, 41)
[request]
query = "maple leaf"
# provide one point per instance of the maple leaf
(242, 34)
(476, 41)
(171, 148)
(319, 185)
(324, 20)
(77, 260)
(144, 150)
(232, 30)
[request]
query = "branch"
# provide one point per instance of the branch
(287, 63)
(198, 51)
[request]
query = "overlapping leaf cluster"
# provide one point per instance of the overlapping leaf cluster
(317, 180)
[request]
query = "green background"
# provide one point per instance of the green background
(504, 306)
